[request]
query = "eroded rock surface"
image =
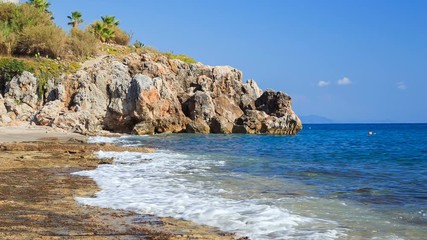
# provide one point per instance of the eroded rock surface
(147, 94)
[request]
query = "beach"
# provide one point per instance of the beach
(38, 191)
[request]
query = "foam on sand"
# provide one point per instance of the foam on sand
(169, 184)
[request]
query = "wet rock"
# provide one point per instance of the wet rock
(221, 125)
(197, 126)
(144, 128)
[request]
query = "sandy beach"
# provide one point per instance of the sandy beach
(37, 192)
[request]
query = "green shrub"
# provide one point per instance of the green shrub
(27, 15)
(181, 57)
(46, 40)
(45, 69)
(14, 19)
(138, 44)
(10, 68)
(82, 44)
(101, 31)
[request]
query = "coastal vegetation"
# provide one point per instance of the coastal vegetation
(31, 41)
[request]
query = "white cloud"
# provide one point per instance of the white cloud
(401, 86)
(344, 81)
(323, 83)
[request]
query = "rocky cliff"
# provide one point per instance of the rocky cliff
(147, 94)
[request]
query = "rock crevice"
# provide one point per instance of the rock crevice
(145, 94)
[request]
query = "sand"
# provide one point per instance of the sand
(37, 193)
(28, 133)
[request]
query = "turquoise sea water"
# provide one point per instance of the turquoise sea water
(328, 182)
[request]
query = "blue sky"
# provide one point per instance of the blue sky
(351, 61)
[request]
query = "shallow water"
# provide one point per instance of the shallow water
(328, 182)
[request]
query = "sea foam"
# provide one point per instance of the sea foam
(101, 139)
(170, 184)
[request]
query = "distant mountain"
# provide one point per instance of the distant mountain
(315, 119)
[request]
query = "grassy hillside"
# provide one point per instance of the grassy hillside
(31, 41)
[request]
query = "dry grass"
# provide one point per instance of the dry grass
(82, 44)
(43, 40)
(121, 37)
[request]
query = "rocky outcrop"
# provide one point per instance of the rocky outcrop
(273, 115)
(20, 98)
(148, 94)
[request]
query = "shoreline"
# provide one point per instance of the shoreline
(38, 190)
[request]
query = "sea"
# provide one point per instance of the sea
(331, 181)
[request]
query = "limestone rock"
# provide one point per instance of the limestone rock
(251, 89)
(149, 93)
(197, 126)
(251, 92)
(80, 122)
(49, 113)
(252, 122)
(226, 113)
(4, 116)
(23, 89)
(274, 115)
(199, 106)
(274, 103)
(20, 99)
(144, 101)
(158, 104)
(18, 110)
(144, 128)
(221, 125)
(56, 91)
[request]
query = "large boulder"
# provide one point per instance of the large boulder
(252, 122)
(226, 113)
(23, 89)
(199, 106)
(197, 126)
(274, 103)
(144, 128)
(273, 115)
(251, 92)
(49, 113)
(82, 122)
(20, 97)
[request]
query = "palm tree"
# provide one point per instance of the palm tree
(102, 32)
(110, 21)
(41, 4)
(75, 19)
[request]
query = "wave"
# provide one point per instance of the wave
(169, 184)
